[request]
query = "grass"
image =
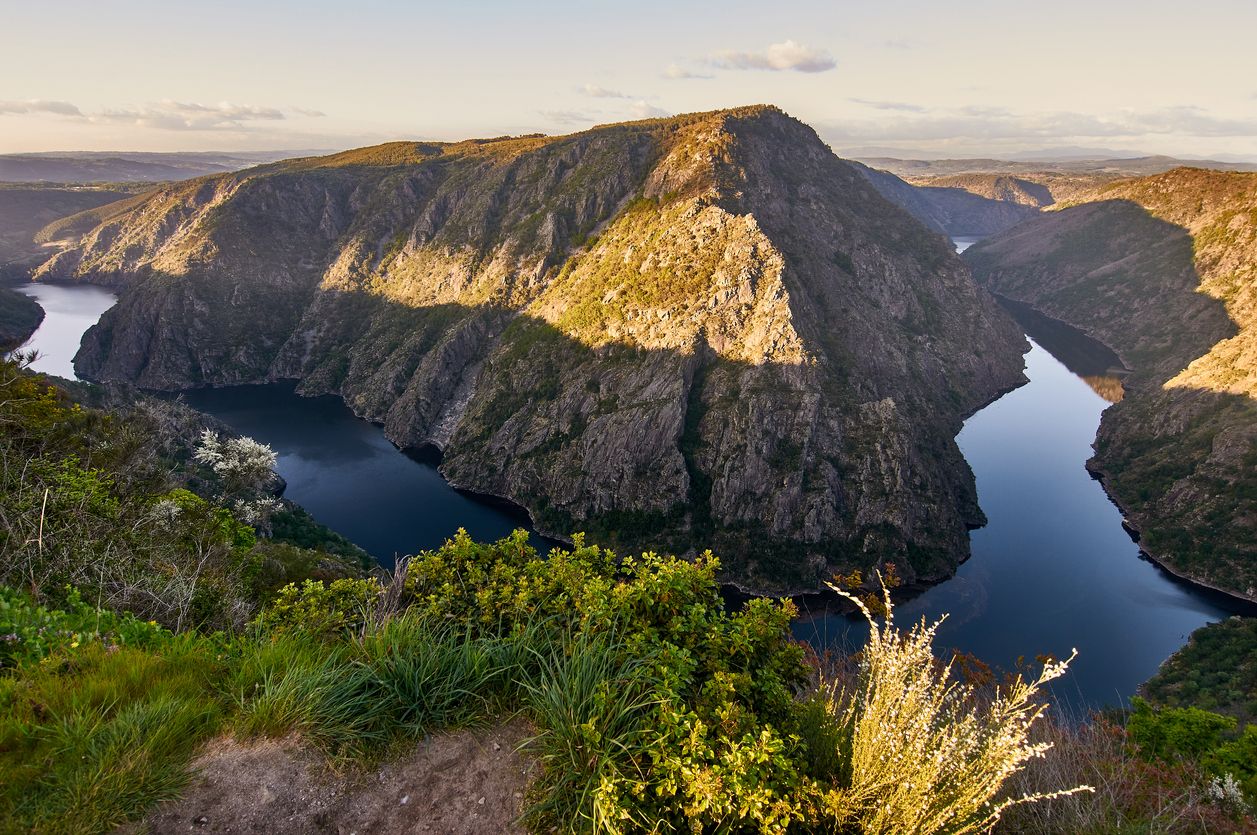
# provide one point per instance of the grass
(92, 739)
(655, 709)
(595, 703)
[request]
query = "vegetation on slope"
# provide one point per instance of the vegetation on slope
(24, 210)
(20, 315)
(1164, 271)
(1216, 670)
(100, 502)
(539, 307)
(656, 709)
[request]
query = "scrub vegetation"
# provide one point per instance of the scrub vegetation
(139, 620)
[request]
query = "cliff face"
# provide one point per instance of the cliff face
(1164, 271)
(953, 210)
(691, 331)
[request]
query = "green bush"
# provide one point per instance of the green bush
(319, 609)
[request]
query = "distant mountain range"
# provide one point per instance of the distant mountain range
(1125, 167)
(129, 166)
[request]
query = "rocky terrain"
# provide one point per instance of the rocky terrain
(698, 330)
(1164, 271)
(1039, 189)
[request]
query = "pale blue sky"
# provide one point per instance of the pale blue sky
(965, 78)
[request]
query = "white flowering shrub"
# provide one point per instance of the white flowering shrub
(1225, 791)
(256, 512)
(244, 465)
(928, 755)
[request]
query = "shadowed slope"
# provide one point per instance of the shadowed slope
(700, 325)
(1163, 270)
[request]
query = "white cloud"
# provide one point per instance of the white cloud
(676, 71)
(594, 91)
(308, 113)
(568, 117)
(986, 125)
(175, 115)
(787, 55)
(889, 105)
(646, 110)
(59, 108)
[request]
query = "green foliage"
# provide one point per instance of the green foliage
(1187, 732)
(97, 730)
(319, 609)
(95, 502)
(30, 632)
(1216, 671)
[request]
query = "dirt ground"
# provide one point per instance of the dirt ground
(463, 783)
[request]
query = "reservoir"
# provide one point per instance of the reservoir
(1051, 571)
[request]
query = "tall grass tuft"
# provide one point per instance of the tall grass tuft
(429, 674)
(290, 684)
(927, 754)
(90, 740)
(595, 704)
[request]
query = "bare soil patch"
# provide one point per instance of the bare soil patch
(462, 783)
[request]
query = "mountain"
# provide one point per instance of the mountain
(124, 166)
(1002, 187)
(705, 329)
(25, 210)
(950, 209)
(1163, 270)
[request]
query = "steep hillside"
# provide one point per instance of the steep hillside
(698, 329)
(1164, 271)
(951, 209)
(1001, 187)
(24, 211)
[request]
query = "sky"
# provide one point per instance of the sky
(915, 77)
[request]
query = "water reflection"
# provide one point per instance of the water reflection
(1053, 569)
(352, 479)
(1093, 361)
(69, 310)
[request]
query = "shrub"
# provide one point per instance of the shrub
(928, 755)
(322, 610)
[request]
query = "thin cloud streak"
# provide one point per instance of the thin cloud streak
(596, 92)
(779, 57)
(58, 108)
(889, 105)
(677, 72)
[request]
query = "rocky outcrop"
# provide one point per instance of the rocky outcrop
(674, 333)
(1164, 271)
(950, 209)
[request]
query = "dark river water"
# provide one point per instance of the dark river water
(1052, 570)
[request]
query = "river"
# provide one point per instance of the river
(1052, 570)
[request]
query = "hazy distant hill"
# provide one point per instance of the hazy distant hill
(25, 210)
(1163, 269)
(1133, 167)
(951, 210)
(119, 167)
(705, 328)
